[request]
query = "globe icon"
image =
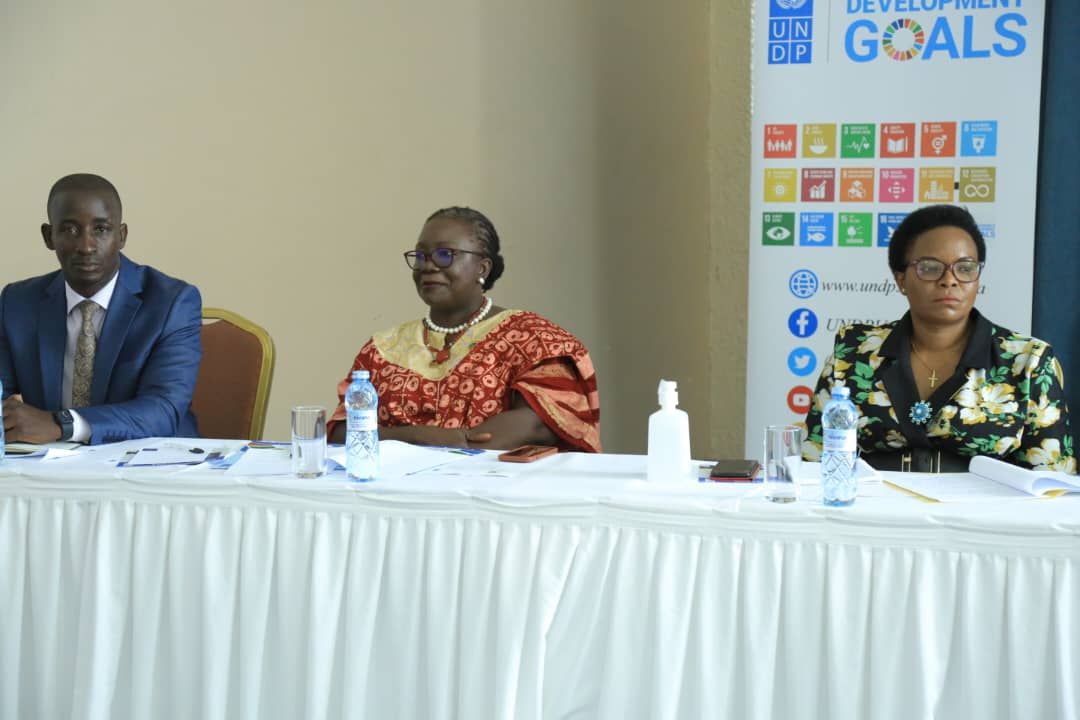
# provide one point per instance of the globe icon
(803, 283)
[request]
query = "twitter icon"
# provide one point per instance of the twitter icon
(801, 361)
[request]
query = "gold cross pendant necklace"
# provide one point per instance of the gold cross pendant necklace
(933, 373)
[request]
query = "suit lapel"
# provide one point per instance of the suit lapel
(52, 341)
(900, 383)
(124, 304)
(947, 389)
(979, 353)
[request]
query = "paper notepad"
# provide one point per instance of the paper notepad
(167, 455)
(25, 449)
(986, 479)
(809, 473)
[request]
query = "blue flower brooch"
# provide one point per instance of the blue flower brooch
(920, 412)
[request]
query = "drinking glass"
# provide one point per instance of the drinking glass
(308, 441)
(783, 457)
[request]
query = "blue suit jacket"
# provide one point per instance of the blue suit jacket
(147, 355)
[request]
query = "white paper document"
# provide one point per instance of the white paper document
(953, 487)
(398, 459)
(43, 451)
(988, 479)
(809, 473)
(487, 465)
(1032, 482)
(422, 469)
(262, 459)
(157, 456)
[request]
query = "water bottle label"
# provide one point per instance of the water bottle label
(839, 441)
(363, 420)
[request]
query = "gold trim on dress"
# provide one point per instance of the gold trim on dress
(404, 345)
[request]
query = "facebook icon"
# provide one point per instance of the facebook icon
(802, 323)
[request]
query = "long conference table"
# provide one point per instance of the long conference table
(569, 588)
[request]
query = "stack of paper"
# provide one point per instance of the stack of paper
(46, 451)
(986, 479)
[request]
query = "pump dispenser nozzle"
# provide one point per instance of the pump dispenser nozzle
(668, 394)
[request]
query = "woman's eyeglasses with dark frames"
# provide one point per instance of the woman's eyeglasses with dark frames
(442, 257)
(929, 268)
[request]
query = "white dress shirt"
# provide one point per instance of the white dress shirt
(74, 327)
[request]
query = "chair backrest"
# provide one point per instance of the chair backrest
(237, 368)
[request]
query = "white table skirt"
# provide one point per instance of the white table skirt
(188, 599)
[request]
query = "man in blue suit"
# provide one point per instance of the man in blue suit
(103, 349)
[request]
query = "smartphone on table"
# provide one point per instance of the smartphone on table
(528, 453)
(734, 470)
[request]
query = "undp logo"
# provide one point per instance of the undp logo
(791, 8)
(791, 29)
(803, 283)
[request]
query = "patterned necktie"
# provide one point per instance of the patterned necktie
(85, 347)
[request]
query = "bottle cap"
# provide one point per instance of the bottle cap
(668, 393)
(841, 391)
(361, 375)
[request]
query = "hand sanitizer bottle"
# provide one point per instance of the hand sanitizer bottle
(669, 439)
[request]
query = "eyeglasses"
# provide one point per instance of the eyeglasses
(442, 257)
(965, 271)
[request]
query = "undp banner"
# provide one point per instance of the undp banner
(863, 111)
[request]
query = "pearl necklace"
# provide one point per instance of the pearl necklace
(477, 317)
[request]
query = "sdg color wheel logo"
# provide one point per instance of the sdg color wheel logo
(903, 39)
(803, 283)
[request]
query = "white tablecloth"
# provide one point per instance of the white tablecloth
(574, 591)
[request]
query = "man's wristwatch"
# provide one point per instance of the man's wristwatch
(66, 422)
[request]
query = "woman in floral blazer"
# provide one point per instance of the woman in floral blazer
(943, 383)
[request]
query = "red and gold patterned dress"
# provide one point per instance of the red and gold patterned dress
(511, 352)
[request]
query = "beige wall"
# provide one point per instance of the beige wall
(281, 156)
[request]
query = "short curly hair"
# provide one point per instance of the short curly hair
(926, 219)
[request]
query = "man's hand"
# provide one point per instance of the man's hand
(25, 423)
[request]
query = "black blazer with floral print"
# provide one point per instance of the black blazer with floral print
(1005, 399)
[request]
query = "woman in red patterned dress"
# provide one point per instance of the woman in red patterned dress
(472, 373)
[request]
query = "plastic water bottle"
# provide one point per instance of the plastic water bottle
(361, 428)
(669, 439)
(839, 423)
